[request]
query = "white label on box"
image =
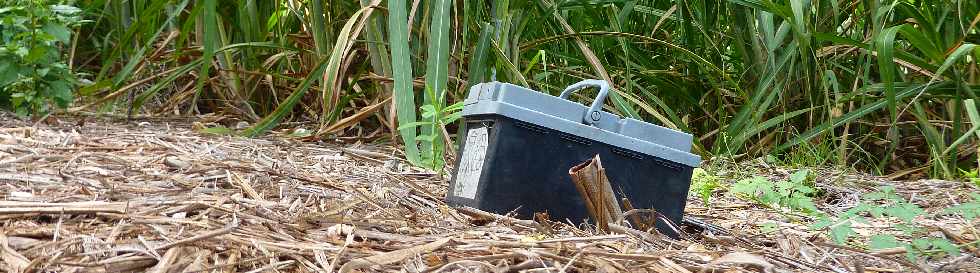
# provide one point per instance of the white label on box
(471, 162)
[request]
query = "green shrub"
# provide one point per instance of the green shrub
(33, 71)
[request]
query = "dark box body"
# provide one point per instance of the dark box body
(511, 160)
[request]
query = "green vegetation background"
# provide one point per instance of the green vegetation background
(878, 85)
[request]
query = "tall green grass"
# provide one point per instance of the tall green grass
(877, 85)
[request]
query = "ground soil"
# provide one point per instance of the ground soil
(159, 195)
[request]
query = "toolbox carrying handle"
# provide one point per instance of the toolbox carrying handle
(595, 111)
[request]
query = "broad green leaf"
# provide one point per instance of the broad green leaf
(969, 210)
(36, 53)
(8, 73)
(60, 32)
(841, 232)
(800, 176)
(769, 227)
(904, 211)
(946, 246)
(21, 51)
(66, 10)
(921, 243)
(61, 92)
(822, 222)
(883, 241)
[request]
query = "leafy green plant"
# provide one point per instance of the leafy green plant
(970, 210)
(972, 175)
(34, 74)
(793, 194)
(886, 204)
(704, 184)
(436, 115)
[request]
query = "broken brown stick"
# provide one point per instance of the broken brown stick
(600, 200)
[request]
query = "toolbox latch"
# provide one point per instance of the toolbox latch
(595, 111)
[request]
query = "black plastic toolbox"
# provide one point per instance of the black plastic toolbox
(518, 145)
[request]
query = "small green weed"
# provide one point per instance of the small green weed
(972, 176)
(768, 227)
(704, 184)
(793, 194)
(807, 154)
(796, 195)
(33, 71)
(970, 211)
(438, 115)
(886, 204)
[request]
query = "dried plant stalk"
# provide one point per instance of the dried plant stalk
(600, 200)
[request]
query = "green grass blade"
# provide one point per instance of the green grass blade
(318, 27)
(886, 66)
(119, 78)
(849, 116)
(769, 124)
(380, 62)
(479, 63)
(971, 112)
(401, 67)
(286, 107)
(210, 43)
(436, 73)
(164, 83)
(934, 140)
(437, 62)
(503, 59)
(960, 52)
(330, 87)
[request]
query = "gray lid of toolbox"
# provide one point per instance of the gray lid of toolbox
(566, 116)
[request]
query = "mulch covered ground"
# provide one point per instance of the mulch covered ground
(92, 195)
